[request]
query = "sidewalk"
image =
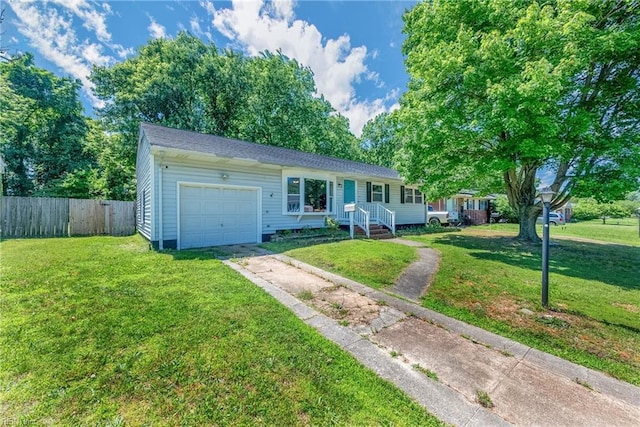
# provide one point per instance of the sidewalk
(405, 344)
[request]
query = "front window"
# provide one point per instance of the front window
(483, 205)
(293, 194)
(408, 195)
(315, 195)
(417, 197)
(413, 195)
(309, 195)
(376, 193)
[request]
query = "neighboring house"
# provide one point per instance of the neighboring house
(466, 204)
(197, 190)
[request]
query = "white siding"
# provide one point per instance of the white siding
(143, 188)
(406, 213)
(162, 173)
(209, 172)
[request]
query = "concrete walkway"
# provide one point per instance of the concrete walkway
(409, 345)
(418, 276)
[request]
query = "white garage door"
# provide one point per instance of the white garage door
(211, 216)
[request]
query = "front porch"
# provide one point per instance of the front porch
(369, 217)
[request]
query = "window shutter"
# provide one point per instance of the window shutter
(368, 191)
(386, 193)
(402, 194)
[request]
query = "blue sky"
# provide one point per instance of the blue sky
(353, 47)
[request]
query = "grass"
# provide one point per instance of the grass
(594, 295)
(378, 264)
(483, 398)
(102, 331)
(428, 372)
(488, 279)
(623, 231)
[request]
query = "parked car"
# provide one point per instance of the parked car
(554, 219)
(437, 218)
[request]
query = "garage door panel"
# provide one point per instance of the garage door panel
(191, 222)
(212, 207)
(245, 195)
(191, 193)
(212, 216)
(231, 209)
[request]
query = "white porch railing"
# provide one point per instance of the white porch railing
(386, 218)
(377, 214)
(361, 218)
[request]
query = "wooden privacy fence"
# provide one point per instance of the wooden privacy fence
(53, 217)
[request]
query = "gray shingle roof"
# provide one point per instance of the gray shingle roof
(161, 136)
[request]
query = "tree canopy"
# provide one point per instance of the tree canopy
(379, 140)
(187, 84)
(502, 93)
(42, 131)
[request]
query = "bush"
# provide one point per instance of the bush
(333, 225)
(501, 204)
(615, 210)
(584, 209)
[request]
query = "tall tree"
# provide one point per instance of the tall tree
(184, 83)
(379, 140)
(42, 129)
(158, 85)
(503, 92)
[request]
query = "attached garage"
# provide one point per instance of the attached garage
(211, 215)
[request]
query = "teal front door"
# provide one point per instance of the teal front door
(349, 191)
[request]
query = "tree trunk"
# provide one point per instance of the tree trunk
(528, 216)
(521, 192)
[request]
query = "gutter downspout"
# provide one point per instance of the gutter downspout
(160, 205)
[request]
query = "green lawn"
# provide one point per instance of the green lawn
(102, 331)
(487, 278)
(367, 267)
(624, 231)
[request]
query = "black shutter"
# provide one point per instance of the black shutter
(402, 194)
(386, 193)
(368, 192)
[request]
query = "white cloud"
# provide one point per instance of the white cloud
(52, 35)
(49, 28)
(256, 26)
(194, 23)
(92, 19)
(156, 30)
(92, 53)
(208, 6)
(197, 30)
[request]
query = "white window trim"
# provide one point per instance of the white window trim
(413, 196)
(381, 184)
(292, 173)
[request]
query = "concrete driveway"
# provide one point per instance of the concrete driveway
(444, 364)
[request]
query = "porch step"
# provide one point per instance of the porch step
(376, 232)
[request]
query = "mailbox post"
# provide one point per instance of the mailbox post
(350, 208)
